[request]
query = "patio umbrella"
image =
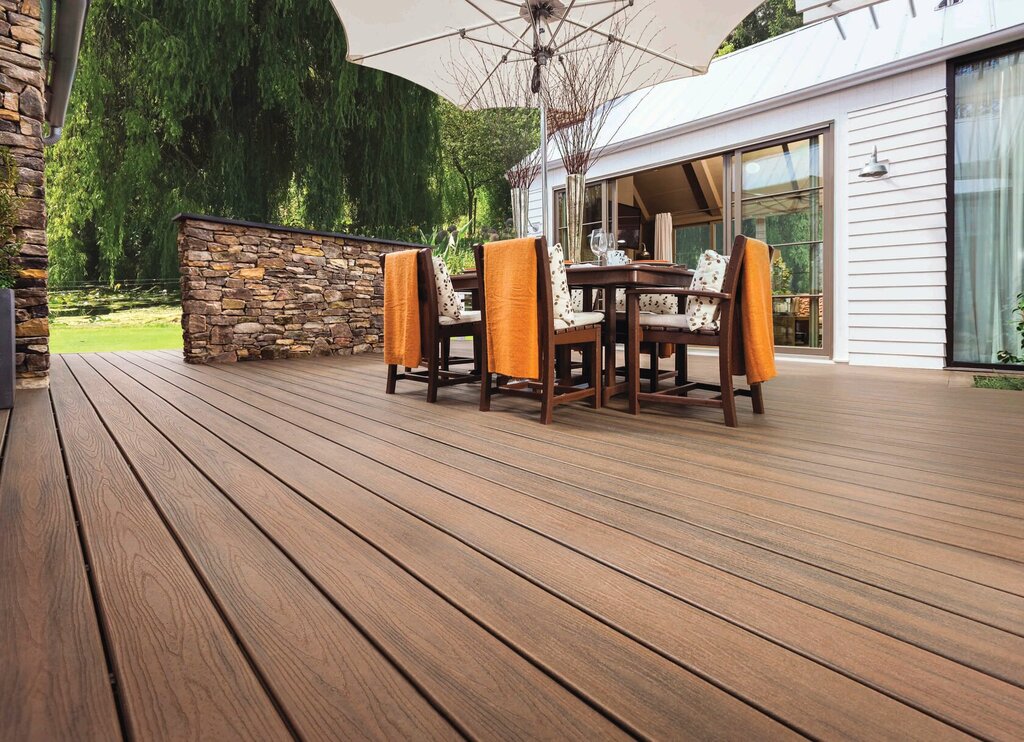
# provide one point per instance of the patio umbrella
(420, 40)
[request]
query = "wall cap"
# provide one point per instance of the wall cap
(186, 216)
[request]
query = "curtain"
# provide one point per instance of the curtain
(664, 245)
(988, 225)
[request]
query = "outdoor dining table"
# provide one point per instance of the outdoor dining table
(606, 278)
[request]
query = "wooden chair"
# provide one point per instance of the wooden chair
(549, 390)
(671, 328)
(436, 332)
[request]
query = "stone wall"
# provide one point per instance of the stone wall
(21, 116)
(252, 291)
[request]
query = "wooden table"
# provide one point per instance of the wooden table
(607, 278)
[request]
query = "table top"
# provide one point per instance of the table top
(588, 274)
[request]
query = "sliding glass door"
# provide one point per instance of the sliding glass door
(988, 206)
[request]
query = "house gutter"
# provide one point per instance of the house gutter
(909, 64)
(62, 41)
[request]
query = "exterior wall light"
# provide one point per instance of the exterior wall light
(873, 168)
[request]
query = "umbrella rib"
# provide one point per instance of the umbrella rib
(500, 24)
(561, 20)
(458, 32)
(595, 24)
(490, 74)
(643, 49)
(512, 49)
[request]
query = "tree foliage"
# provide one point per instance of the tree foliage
(771, 18)
(242, 108)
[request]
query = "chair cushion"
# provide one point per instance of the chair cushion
(468, 315)
(655, 303)
(561, 297)
(702, 312)
(449, 303)
(672, 322)
(581, 319)
(577, 300)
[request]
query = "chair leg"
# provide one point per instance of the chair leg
(595, 373)
(563, 358)
(392, 378)
(433, 372)
(654, 367)
(682, 374)
(477, 349)
(757, 398)
(446, 353)
(547, 380)
(633, 366)
(725, 374)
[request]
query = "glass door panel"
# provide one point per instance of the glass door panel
(988, 207)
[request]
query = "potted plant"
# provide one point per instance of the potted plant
(8, 274)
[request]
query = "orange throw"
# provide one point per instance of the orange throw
(402, 344)
(754, 344)
(510, 278)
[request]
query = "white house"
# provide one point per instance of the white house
(918, 268)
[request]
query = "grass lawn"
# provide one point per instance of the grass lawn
(153, 328)
(1015, 383)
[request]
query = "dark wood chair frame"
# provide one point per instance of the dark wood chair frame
(549, 389)
(725, 393)
(435, 339)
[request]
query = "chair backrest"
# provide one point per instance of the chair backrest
(545, 302)
(731, 282)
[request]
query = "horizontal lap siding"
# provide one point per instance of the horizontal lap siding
(897, 234)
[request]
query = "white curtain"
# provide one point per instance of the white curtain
(664, 245)
(989, 207)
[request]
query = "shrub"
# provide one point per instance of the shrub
(9, 246)
(1006, 356)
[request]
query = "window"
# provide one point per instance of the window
(988, 206)
(693, 240)
(782, 204)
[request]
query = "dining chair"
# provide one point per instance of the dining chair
(542, 338)
(728, 336)
(437, 329)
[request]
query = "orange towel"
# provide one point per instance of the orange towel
(754, 343)
(402, 344)
(510, 278)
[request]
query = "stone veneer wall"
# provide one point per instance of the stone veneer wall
(252, 291)
(21, 116)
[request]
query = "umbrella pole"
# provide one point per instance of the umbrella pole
(545, 205)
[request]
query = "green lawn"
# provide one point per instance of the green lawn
(1015, 383)
(155, 328)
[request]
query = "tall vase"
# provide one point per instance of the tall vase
(521, 211)
(575, 193)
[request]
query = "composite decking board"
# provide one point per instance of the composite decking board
(608, 460)
(414, 493)
(753, 434)
(802, 622)
(649, 694)
(495, 692)
(975, 644)
(849, 559)
(782, 456)
(321, 670)
(54, 679)
(179, 671)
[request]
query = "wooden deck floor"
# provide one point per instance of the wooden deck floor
(278, 550)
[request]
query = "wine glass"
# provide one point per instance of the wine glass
(599, 245)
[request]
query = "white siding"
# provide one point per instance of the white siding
(896, 234)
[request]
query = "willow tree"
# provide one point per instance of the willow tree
(234, 107)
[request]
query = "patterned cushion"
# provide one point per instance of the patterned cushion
(582, 319)
(560, 294)
(655, 303)
(702, 311)
(449, 304)
(577, 300)
(468, 316)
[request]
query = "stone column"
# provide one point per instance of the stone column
(21, 116)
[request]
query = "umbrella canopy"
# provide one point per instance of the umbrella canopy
(421, 39)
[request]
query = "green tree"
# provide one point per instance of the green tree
(771, 18)
(242, 108)
(480, 146)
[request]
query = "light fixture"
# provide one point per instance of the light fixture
(873, 168)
